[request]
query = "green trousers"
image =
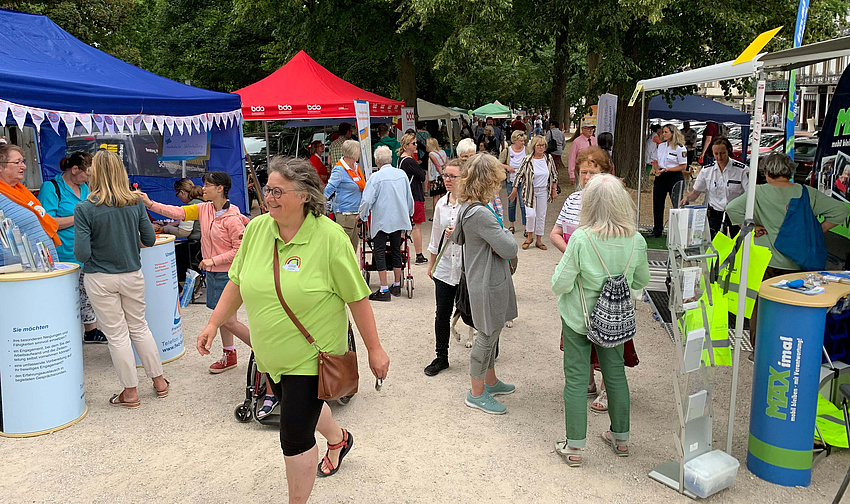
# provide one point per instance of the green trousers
(576, 372)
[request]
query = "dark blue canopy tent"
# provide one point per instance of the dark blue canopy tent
(62, 87)
(697, 108)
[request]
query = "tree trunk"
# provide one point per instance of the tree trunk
(559, 82)
(628, 136)
(407, 79)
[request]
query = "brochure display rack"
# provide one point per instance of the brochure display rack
(689, 249)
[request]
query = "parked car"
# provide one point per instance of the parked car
(768, 142)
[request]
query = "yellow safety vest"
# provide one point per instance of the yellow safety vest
(830, 423)
(759, 260)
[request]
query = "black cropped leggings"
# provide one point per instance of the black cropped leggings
(300, 408)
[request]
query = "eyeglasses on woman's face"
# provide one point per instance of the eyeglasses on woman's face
(276, 192)
(20, 162)
(450, 177)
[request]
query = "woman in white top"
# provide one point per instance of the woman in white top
(436, 164)
(591, 161)
(539, 180)
(445, 270)
(511, 159)
(724, 180)
(671, 162)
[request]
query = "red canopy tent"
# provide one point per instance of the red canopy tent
(304, 89)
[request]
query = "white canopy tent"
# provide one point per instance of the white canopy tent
(762, 64)
(427, 111)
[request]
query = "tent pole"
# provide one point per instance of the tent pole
(743, 283)
(268, 147)
(183, 164)
(450, 129)
(297, 141)
(640, 151)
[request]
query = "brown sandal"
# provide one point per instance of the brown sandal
(541, 246)
(164, 392)
(526, 244)
(118, 400)
(346, 444)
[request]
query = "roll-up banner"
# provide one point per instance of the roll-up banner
(831, 168)
(364, 136)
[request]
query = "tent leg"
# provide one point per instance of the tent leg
(640, 151)
(450, 130)
(268, 147)
(743, 283)
(183, 164)
(297, 141)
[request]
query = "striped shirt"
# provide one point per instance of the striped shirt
(568, 219)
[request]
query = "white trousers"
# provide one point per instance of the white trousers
(119, 303)
(535, 218)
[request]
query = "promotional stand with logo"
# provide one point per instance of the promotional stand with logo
(788, 354)
(159, 266)
(41, 352)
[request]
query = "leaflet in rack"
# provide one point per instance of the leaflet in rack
(19, 252)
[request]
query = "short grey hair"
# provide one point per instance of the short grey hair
(778, 165)
(466, 145)
(351, 148)
(305, 178)
(383, 156)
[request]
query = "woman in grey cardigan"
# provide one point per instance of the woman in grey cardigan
(487, 247)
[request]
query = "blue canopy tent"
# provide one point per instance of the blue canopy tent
(697, 108)
(63, 87)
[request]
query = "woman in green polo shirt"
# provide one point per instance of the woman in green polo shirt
(319, 276)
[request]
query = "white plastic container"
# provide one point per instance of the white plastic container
(710, 473)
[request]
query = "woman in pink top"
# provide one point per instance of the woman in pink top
(222, 226)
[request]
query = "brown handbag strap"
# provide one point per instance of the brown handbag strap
(286, 308)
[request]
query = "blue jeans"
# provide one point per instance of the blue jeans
(512, 204)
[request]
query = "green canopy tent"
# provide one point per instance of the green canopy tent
(495, 110)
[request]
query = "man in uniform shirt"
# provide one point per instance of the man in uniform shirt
(724, 180)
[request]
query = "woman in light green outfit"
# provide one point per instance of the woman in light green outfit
(607, 220)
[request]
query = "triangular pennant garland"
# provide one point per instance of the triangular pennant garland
(196, 121)
(69, 119)
(110, 124)
(160, 120)
(179, 121)
(217, 117)
(169, 122)
(137, 124)
(119, 123)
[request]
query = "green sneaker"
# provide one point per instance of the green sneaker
(485, 403)
(500, 388)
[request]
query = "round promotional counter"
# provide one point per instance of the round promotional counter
(159, 267)
(786, 375)
(41, 352)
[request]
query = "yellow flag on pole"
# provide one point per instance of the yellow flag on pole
(756, 45)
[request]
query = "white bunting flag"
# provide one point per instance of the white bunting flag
(98, 121)
(119, 123)
(4, 109)
(160, 121)
(148, 122)
(137, 124)
(181, 122)
(85, 120)
(54, 119)
(110, 124)
(69, 118)
(37, 117)
(217, 117)
(196, 121)
(19, 114)
(169, 121)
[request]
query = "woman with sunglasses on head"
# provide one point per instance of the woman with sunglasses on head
(222, 226)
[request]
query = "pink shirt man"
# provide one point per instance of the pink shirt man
(583, 141)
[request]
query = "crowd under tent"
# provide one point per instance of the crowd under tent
(427, 111)
(77, 97)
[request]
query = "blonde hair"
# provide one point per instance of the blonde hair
(432, 145)
(676, 136)
(405, 139)
(607, 208)
(108, 182)
(351, 148)
(517, 135)
(536, 139)
(480, 179)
